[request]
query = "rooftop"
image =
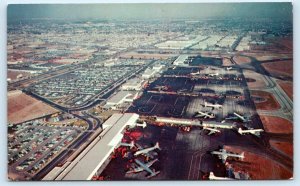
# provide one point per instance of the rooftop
(88, 165)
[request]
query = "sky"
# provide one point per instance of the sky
(150, 11)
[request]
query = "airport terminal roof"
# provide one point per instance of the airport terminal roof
(118, 98)
(180, 60)
(88, 165)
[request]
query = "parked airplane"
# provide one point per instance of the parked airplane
(240, 117)
(144, 167)
(211, 130)
(131, 144)
(228, 68)
(147, 150)
(255, 132)
(161, 87)
(213, 74)
(218, 106)
(144, 124)
(213, 177)
(195, 73)
(223, 155)
(205, 115)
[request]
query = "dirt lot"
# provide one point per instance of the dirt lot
(241, 60)
(274, 124)
(284, 147)
(287, 86)
(22, 107)
(136, 55)
(281, 68)
(13, 74)
(227, 62)
(258, 167)
(268, 101)
(268, 56)
(254, 79)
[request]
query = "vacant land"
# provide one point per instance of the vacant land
(22, 107)
(241, 59)
(274, 124)
(13, 74)
(284, 147)
(287, 86)
(280, 68)
(135, 55)
(254, 79)
(268, 101)
(258, 166)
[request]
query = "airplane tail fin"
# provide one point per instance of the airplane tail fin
(240, 131)
(153, 174)
(211, 175)
(157, 146)
(132, 144)
(242, 156)
(144, 124)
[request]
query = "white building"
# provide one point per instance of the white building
(180, 61)
(133, 84)
(86, 166)
(148, 73)
(120, 98)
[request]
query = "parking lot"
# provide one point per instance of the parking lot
(32, 145)
(74, 88)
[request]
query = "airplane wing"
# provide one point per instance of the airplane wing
(138, 146)
(144, 167)
(211, 132)
(224, 157)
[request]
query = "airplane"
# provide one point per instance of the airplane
(131, 144)
(218, 106)
(228, 68)
(213, 74)
(212, 130)
(238, 116)
(144, 167)
(205, 115)
(147, 150)
(195, 73)
(161, 87)
(213, 177)
(144, 124)
(224, 155)
(255, 132)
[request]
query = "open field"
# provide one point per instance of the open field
(274, 124)
(136, 55)
(258, 166)
(254, 79)
(284, 147)
(13, 74)
(280, 68)
(241, 60)
(264, 100)
(22, 107)
(268, 55)
(287, 87)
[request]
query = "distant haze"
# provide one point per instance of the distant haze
(151, 11)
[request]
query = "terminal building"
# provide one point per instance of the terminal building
(149, 73)
(133, 84)
(121, 97)
(181, 61)
(98, 153)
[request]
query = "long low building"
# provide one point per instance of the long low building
(88, 165)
